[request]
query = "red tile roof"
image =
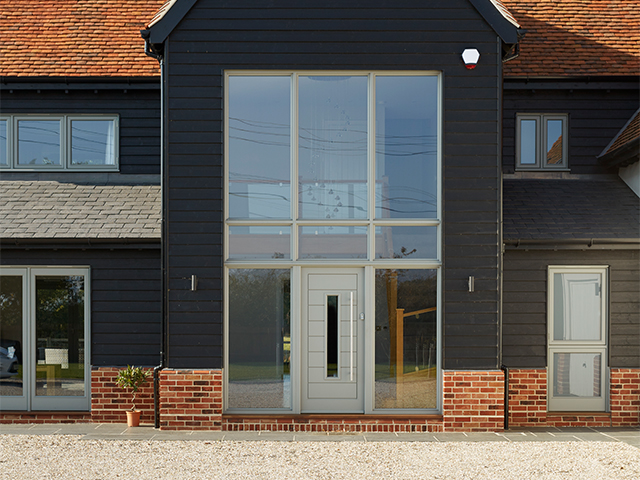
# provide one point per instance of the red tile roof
(75, 38)
(630, 132)
(576, 38)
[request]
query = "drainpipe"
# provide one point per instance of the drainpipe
(505, 369)
(150, 51)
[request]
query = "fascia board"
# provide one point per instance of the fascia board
(505, 29)
(159, 32)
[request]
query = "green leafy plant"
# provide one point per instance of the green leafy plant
(133, 378)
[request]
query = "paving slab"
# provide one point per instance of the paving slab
(324, 437)
(400, 437)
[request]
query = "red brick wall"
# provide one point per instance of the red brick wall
(109, 402)
(625, 397)
(190, 400)
(328, 423)
(527, 397)
(473, 401)
(45, 417)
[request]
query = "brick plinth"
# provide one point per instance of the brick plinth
(528, 401)
(109, 402)
(190, 400)
(473, 401)
(44, 417)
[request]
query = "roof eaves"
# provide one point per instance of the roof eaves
(499, 18)
(613, 140)
(167, 18)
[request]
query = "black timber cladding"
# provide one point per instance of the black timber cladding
(138, 110)
(411, 35)
(125, 296)
(596, 113)
(525, 303)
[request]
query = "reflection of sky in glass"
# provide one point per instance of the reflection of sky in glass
(259, 242)
(333, 242)
(406, 242)
(39, 142)
(259, 147)
(92, 142)
(528, 142)
(3, 142)
(406, 147)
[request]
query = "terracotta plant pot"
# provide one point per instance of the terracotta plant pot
(133, 418)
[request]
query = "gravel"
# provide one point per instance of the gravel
(68, 457)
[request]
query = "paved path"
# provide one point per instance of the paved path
(115, 431)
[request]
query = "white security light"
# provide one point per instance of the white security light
(470, 57)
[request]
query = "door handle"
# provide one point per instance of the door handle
(351, 338)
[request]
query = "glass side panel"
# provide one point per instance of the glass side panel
(554, 142)
(577, 374)
(528, 141)
(333, 147)
(93, 142)
(406, 147)
(332, 336)
(4, 158)
(59, 316)
(259, 338)
(405, 339)
(406, 242)
(333, 242)
(11, 366)
(38, 142)
(577, 306)
(259, 147)
(259, 243)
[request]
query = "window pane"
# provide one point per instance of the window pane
(577, 374)
(528, 147)
(333, 147)
(405, 339)
(406, 147)
(11, 366)
(259, 243)
(38, 142)
(259, 339)
(406, 242)
(93, 142)
(554, 142)
(333, 242)
(577, 306)
(59, 312)
(259, 147)
(4, 159)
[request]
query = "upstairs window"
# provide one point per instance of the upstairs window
(541, 142)
(59, 142)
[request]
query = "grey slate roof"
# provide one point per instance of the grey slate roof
(49, 209)
(570, 209)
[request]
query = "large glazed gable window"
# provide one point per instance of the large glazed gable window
(541, 142)
(59, 142)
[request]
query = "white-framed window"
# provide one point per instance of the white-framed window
(541, 141)
(44, 338)
(59, 142)
(577, 354)
(332, 192)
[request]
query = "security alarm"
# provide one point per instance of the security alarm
(470, 58)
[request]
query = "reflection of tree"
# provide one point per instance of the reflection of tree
(11, 313)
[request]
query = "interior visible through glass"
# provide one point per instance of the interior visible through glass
(38, 142)
(11, 363)
(59, 315)
(259, 243)
(337, 241)
(528, 141)
(332, 335)
(93, 142)
(406, 338)
(577, 306)
(259, 338)
(406, 242)
(577, 374)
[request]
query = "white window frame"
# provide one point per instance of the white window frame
(65, 142)
(559, 404)
(370, 264)
(29, 401)
(541, 141)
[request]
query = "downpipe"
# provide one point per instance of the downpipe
(505, 369)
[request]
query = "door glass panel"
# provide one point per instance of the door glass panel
(59, 318)
(259, 147)
(333, 147)
(11, 308)
(259, 243)
(332, 335)
(554, 142)
(577, 306)
(405, 339)
(406, 242)
(38, 142)
(93, 142)
(406, 147)
(577, 374)
(528, 143)
(333, 242)
(259, 338)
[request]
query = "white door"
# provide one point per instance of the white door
(332, 340)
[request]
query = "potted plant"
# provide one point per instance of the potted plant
(132, 378)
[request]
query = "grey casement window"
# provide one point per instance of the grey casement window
(541, 142)
(59, 142)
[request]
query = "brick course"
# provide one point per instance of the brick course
(109, 402)
(337, 423)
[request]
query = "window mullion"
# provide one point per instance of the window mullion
(294, 166)
(371, 146)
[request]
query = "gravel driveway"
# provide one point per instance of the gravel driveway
(25, 457)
